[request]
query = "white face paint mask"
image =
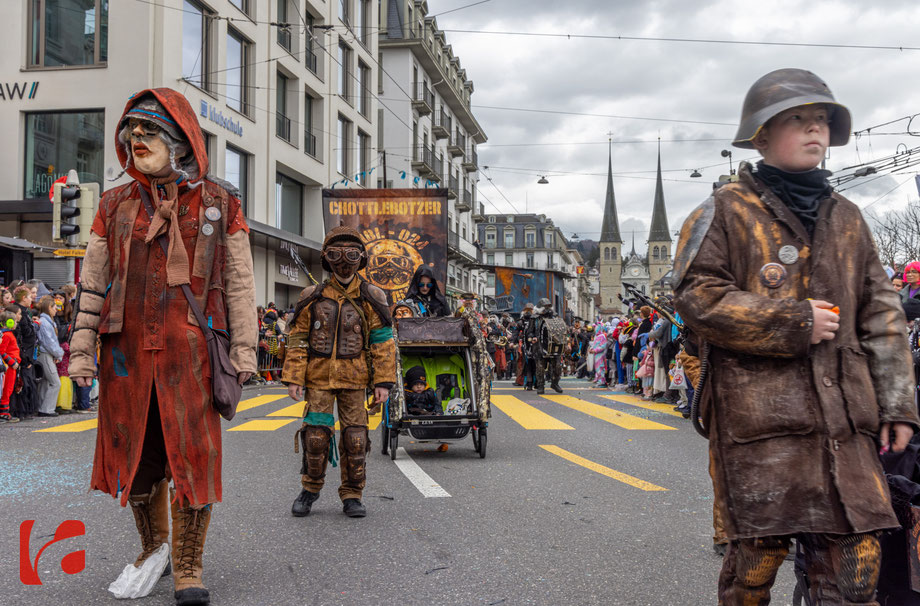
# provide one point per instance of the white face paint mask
(149, 152)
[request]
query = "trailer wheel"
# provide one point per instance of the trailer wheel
(384, 438)
(483, 439)
(476, 441)
(394, 442)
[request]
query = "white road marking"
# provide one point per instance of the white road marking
(427, 486)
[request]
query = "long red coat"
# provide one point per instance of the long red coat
(151, 345)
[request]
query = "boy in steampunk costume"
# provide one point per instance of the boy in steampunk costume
(525, 369)
(809, 367)
(156, 417)
(340, 342)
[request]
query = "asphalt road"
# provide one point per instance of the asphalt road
(580, 500)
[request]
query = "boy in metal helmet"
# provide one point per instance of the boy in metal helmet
(809, 368)
(341, 341)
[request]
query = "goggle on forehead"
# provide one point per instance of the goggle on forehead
(336, 254)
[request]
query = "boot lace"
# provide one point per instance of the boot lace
(188, 549)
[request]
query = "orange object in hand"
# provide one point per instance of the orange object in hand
(836, 310)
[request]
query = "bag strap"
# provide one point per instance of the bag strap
(164, 244)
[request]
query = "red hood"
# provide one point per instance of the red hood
(181, 112)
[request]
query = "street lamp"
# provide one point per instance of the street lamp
(695, 174)
(728, 154)
(543, 180)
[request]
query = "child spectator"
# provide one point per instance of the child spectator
(420, 399)
(49, 354)
(9, 353)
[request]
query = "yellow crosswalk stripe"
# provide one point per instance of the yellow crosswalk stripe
(262, 425)
(620, 419)
(601, 469)
(70, 427)
(526, 415)
(259, 401)
(667, 409)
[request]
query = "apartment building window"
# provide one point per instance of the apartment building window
(530, 238)
(289, 204)
(243, 5)
(490, 259)
(344, 11)
(237, 72)
(311, 107)
(509, 237)
(344, 59)
(284, 33)
(509, 259)
(196, 45)
(364, 156)
(59, 141)
(309, 53)
(491, 237)
(380, 73)
(548, 238)
(490, 280)
(529, 260)
(236, 171)
(362, 19)
(343, 146)
(363, 102)
(64, 33)
(282, 121)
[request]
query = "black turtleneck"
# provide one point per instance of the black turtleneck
(801, 192)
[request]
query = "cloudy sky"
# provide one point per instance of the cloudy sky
(693, 91)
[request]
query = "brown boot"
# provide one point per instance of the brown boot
(190, 527)
(151, 514)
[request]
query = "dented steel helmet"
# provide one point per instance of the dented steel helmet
(784, 89)
(340, 234)
(544, 302)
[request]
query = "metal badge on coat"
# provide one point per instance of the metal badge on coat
(213, 214)
(316, 325)
(788, 254)
(207, 229)
(772, 275)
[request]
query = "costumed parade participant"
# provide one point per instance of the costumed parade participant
(424, 295)
(525, 358)
(599, 349)
(340, 344)
(157, 418)
(806, 369)
(546, 338)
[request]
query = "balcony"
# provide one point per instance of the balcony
(480, 213)
(284, 38)
(471, 160)
(423, 102)
(283, 127)
(310, 59)
(456, 146)
(461, 248)
(309, 144)
(465, 202)
(453, 189)
(423, 160)
(440, 124)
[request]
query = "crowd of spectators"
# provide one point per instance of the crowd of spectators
(34, 353)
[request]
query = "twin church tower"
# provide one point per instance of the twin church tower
(615, 266)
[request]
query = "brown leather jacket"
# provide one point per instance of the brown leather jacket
(323, 339)
(793, 426)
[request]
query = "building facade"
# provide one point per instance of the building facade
(427, 128)
(644, 272)
(283, 90)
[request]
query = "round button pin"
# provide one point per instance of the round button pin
(213, 214)
(207, 229)
(789, 254)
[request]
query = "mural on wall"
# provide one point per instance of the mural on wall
(514, 288)
(402, 228)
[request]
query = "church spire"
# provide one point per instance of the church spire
(632, 253)
(610, 229)
(659, 231)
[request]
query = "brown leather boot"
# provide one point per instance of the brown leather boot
(151, 514)
(190, 527)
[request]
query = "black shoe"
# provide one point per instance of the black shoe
(540, 391)
(719, 549)
(303, 503)
(46, 414)
(353, 508)
(193, 596)
(556, 388)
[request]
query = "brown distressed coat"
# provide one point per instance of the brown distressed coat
(333, 372)
(793, 426)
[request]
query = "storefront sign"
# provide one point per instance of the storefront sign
(291, 272)
(10, 91)
(217, 117)
(402, 229)
(70, 252)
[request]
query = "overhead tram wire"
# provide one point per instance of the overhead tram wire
(687, 40)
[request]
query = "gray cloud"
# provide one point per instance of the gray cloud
(681, 81)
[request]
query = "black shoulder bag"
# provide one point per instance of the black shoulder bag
(226, 390)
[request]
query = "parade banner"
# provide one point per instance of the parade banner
(516, 287)
(402, 229)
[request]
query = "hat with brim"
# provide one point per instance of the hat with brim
(342, 234)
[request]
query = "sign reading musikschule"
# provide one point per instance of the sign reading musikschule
(217, 117)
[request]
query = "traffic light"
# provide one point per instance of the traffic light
(64, 210)
(89, 198)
